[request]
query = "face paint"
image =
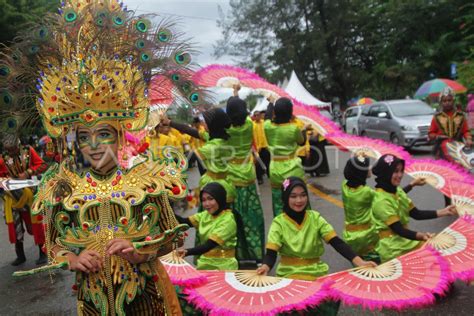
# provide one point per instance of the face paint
(99, 146)
(104, 135)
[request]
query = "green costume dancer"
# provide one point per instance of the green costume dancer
(392, 209)
(359, 231)
(242, 174)
(283, 140)
(298, 235)
(217, 231)
(213, 153)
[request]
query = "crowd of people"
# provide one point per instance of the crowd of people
(227, 146)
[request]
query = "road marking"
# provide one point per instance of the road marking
(325, 196)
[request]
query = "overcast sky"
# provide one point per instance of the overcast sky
(198, 19)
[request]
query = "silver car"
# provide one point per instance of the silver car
(350, 120)
(402, 122)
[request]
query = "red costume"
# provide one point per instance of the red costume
(452, 124)
(17, 203)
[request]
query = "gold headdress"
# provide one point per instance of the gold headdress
(447, 91)
(93, 63)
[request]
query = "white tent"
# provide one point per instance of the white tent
(296, 89)
(262, 105)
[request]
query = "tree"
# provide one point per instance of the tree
(14, 14)
(466, 28)
(342, 48)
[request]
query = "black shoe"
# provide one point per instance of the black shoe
(18, 261)
(42, 259)
(20, 254)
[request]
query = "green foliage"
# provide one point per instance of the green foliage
(14, 14)
(466, 74)
(343, 48)
(251, 100)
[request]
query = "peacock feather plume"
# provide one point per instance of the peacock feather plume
(94, 62)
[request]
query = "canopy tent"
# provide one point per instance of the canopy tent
(296, 89)
(262, 105)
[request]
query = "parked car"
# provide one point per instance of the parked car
(330, 116)
(402, 122)
(351, 118)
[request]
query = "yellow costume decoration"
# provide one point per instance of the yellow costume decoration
(95, 61)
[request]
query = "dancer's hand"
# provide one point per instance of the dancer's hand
(124, 249)
(87, 261)
(181, 252)
(359, 262)
(447, 211)
(272, 98)
(418, 182)
(424, 236)
(165, 120)
(263, 269)
(236, 88)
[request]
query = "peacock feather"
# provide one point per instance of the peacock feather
(99, 58)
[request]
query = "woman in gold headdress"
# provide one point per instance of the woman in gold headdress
(95, 61)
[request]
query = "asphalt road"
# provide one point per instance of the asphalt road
(52, 295)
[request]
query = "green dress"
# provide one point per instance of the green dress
(213, 154)
(300, 246)
(242, 175)
(223, 230)
(388, 208)
(283, 142)
(359, 231)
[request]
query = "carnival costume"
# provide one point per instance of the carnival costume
(392, 209)
(17, 203)
(298, 238)
(242, 174)
(452, 124)
(94, 62)
(217, 233)
(283, 139)
(214, 153)
(262, 165)
(359, 231)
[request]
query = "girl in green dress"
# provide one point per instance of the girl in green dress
(243, 176)
(359, 231)
(283, 139)
(217, 230)
(298, 235)
(214, 153)
(392, 208)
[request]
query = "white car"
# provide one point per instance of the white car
(351, 117)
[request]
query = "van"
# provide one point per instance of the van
(350, 120)
(402, 122)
